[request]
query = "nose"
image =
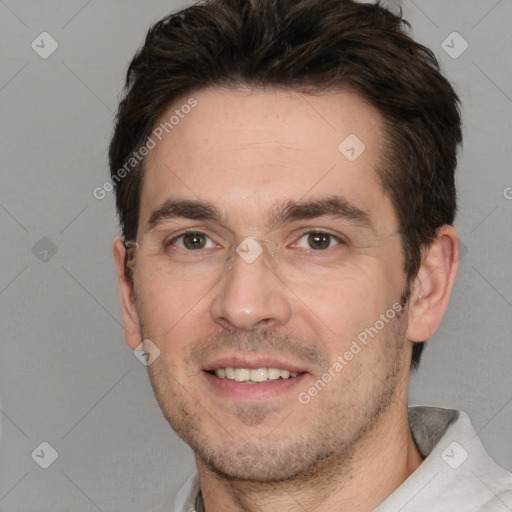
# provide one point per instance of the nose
(251, 295)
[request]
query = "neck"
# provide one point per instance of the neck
(377, 465)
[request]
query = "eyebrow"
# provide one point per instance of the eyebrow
(186, 209)
(333, 206)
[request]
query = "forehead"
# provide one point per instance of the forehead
(247, 150)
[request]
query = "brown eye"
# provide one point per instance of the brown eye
(319, 241)
(194, 241)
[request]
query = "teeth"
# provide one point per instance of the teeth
(241, 374)
(257, 375)
(273, 373)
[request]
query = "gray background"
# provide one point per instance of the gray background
(66, 376)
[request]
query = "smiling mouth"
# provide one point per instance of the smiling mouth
(253, 376)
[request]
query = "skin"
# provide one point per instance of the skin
(244, 151)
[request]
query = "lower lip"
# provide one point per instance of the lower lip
(258, 392)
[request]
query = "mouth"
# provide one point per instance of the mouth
(253, 376)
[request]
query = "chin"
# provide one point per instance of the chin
(263, 465)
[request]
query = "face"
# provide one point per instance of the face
(267, 251)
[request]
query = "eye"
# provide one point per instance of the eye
(318, 241)
(191, 241)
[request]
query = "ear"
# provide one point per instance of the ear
(433, 284)
(128, 305)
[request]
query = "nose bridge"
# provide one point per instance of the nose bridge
(251, 249)
(250, 292)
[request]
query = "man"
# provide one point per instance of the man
(284, 177)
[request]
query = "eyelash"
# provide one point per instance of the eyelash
(173, 240)
(339, 239)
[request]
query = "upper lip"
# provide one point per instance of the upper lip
(252, 362)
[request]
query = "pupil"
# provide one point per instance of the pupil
(319, 240)
(194, 241)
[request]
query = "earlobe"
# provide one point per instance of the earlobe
(433, 284)
(128, 305)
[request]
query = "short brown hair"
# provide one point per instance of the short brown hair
(305, 45)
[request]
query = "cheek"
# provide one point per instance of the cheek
(167, 311)
(350, 303)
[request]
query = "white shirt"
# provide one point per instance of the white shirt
(457, 474)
